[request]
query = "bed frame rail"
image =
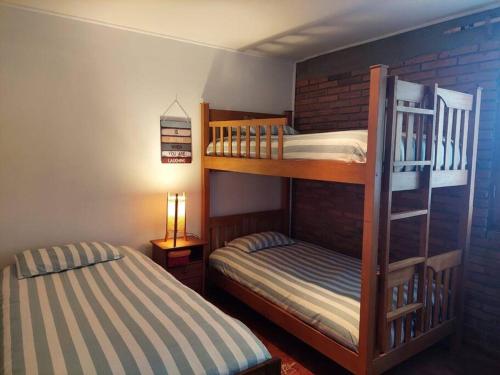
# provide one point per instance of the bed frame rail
(452, 137)
(406, 316)
(237, 132)
(413, 324)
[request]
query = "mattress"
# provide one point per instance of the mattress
(122, 316)
(319, 286)
(347, 146)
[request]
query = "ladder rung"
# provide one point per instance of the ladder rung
(411, 163)
(403, 311)
(417, 111)
(405, 263)
(407, 214)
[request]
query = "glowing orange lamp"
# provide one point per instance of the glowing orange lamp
(176, 216)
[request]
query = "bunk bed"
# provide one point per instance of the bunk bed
(418, 138)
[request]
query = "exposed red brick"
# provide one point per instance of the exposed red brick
(405, 69)
(420, 75)
(489, 45)
(482, 56)
(459, 51)
(421, 59)
(439, 63)
(457, 70)
(301, 83)
(360, 86)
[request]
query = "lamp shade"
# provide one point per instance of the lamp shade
(176, 215)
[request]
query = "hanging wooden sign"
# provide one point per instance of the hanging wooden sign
(176, 145)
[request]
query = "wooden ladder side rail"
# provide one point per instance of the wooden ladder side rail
(400, 275)
(423, 250)
(465, 220)
(385, 214)
(371, 215)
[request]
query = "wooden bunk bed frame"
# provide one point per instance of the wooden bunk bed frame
(395, 108)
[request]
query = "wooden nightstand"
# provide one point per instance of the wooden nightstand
(191, 274)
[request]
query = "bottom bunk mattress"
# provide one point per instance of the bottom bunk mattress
(319, 286)
(121, 316)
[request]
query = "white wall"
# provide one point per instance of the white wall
(79, 129)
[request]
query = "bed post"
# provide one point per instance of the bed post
(205, 173)
(371, 217)
(286, 190)
(465, 220)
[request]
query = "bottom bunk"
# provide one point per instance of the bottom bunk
(314, 293)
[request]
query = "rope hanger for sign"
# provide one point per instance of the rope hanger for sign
(176, 144)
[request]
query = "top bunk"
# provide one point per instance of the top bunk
(412, 128)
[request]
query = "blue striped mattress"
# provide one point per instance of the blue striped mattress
(347, 146)
(122, 316)
(319, 286)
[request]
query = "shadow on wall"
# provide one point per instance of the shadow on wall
(233, 193)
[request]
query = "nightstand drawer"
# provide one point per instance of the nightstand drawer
(194, 283)
(188, 271)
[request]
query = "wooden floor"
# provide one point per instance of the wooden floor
(300, 359)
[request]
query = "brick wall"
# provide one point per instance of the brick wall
(331, 95)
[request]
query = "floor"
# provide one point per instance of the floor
(300, 359)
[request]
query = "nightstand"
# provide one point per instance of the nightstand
(193, 273)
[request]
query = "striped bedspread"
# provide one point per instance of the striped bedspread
(122, 316)
(348, 146)
(319, 286)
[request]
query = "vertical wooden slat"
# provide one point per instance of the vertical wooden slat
(221, 140)
(437, 297)
(439, 138)
(410, 153)
(387, 335)
(247, 141)
(446, 288)
(398, 137)
(419, 139)
(238, 141)
(230, 140)
(456, 144)
(214, 139)
(268, 141)
(409, 317)
(428, 300)
(398, 325)
(448, 151)
(465, 140)
(454, 291)
(257, 141)
(280, 142)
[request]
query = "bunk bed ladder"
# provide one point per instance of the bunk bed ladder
(410, 123)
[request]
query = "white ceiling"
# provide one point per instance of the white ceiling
(293, 29)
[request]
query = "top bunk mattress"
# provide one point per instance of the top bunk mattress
(319, 286)
(347, 146)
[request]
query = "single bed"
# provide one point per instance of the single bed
(120, 316)
(319, 286)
